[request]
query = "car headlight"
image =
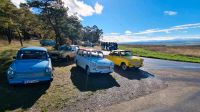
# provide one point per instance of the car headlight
(11, 73)
(48, 70)
(93, 64)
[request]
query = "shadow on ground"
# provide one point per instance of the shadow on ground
(93, 82)
(62, 63)
(20, 96)
(133, 74)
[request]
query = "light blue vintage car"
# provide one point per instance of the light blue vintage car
(31, 65)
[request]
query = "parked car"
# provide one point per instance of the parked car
(87, 44)
(31, 65)
(64, 52)
(109, 46)
(47, 43)
(74, 47)
(93, 61)
(125, 59)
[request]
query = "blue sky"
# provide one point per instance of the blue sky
(128, 18)
(139, 20)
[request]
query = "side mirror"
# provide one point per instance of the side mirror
(14, 57)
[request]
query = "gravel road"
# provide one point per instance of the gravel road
(181, 95)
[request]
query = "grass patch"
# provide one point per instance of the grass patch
(159, 55)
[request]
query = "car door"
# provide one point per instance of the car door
(79, 57)
(85, 59)
(110, 56)
(116, 58)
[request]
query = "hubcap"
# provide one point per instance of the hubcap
(124, 67)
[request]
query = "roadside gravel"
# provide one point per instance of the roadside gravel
(103, 91)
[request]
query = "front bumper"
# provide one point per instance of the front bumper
(101, 71)
(29, 80)
(135, 65)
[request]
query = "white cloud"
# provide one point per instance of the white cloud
(114, 33)
(77, 7)
(81, 9)
(127, 32)
(170, 13)
(129, 36)
(17, 2)
(132, 38)
(168, 30)
(98, 8)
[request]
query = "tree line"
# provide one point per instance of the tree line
(43, 19)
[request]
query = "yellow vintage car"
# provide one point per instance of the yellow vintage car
(125, 59)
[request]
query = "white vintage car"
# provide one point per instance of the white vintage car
(93, 61)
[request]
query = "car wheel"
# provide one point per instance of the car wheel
(124, 67)
(67, 58)
(136, 68)
(88, 71)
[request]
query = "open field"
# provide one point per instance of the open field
(176, 53)
(69, 90)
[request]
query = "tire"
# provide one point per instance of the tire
(124, 67)
(67, 58)
(88, 71)
(137, 68)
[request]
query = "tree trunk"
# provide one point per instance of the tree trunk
(8, 34)
(20, 38)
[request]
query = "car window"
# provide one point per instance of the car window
(97, 54)
(28, 54)
(80, 52)
(85, 54)
(126, 53)
(65, 48)
(115, 53)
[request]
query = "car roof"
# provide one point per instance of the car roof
(73, 45)
(119, 50)
(34, 48)
(90, 49)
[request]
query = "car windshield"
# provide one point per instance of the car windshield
(65, 48)
(126, 53)
(97, 54)
(28, 54)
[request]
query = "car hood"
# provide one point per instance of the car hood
(101, 61)
(30, 65)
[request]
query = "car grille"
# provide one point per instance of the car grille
(136, 63)
(30, 75)
(103, 67)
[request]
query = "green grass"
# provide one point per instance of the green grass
(159, 55)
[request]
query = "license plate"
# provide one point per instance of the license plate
(30, 81)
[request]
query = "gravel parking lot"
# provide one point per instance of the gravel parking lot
(69, 91)
(110, 89)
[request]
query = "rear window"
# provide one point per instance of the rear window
(97, 54)
(30, 54)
